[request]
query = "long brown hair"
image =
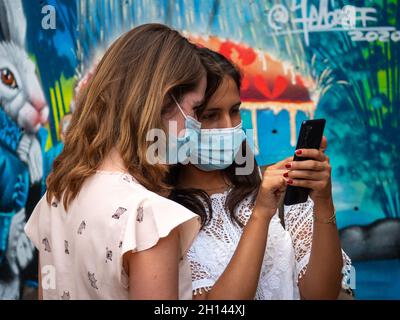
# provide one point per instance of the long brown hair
(243, 186)
(121, 103)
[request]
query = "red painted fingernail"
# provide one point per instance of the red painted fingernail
(290, 181)
(288, 165)
(298, 152)
(286, 174)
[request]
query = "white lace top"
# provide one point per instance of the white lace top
(286, 255)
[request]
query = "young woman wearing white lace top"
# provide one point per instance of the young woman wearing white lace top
(243, 251)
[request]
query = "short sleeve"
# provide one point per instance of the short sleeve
(154, 218)
(169, 215)
(32, 226)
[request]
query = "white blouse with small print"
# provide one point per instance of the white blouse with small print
(286, 255)
(81, 250)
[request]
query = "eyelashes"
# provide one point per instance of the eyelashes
(210, 116)
(214, 115)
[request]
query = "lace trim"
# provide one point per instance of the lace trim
(202, 284)
(346, 271)
(200, 292)
(301, 266)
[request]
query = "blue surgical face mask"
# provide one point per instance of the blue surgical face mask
(180, 148)
(208, 149)
(217, 148)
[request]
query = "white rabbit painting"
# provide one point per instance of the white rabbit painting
(23, 111)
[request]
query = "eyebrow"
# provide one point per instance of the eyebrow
(217, 108)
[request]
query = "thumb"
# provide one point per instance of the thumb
(324, 144)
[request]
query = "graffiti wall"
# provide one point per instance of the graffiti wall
(301, 59)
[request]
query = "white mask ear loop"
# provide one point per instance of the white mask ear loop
(180, 108)
(239, 125)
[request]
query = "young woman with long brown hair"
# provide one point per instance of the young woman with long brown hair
(243, 250)
(103, 229)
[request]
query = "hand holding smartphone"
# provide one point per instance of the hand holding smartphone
(310, 137)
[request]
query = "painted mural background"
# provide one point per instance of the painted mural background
(301, 59)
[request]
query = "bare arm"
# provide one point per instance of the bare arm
(322, 279)
(154, 273)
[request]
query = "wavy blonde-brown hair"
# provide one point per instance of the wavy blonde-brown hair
(121, 103)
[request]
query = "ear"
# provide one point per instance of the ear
(12, 22)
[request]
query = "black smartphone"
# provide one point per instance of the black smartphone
(310, 137)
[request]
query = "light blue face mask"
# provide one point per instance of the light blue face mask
(218, 148)
(208, 149)
(180, 148)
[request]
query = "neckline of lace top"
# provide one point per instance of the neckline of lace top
(220, 194)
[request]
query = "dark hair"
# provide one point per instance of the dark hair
(243, 186)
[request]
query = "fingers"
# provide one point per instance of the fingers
(274, 182)
(307, 174)
(274, 172)
(311, 153)
(277, 183)
(313, 173)
(308, 165)
(281, 164)
(311, 184)
(324, 144)
(327, 159)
